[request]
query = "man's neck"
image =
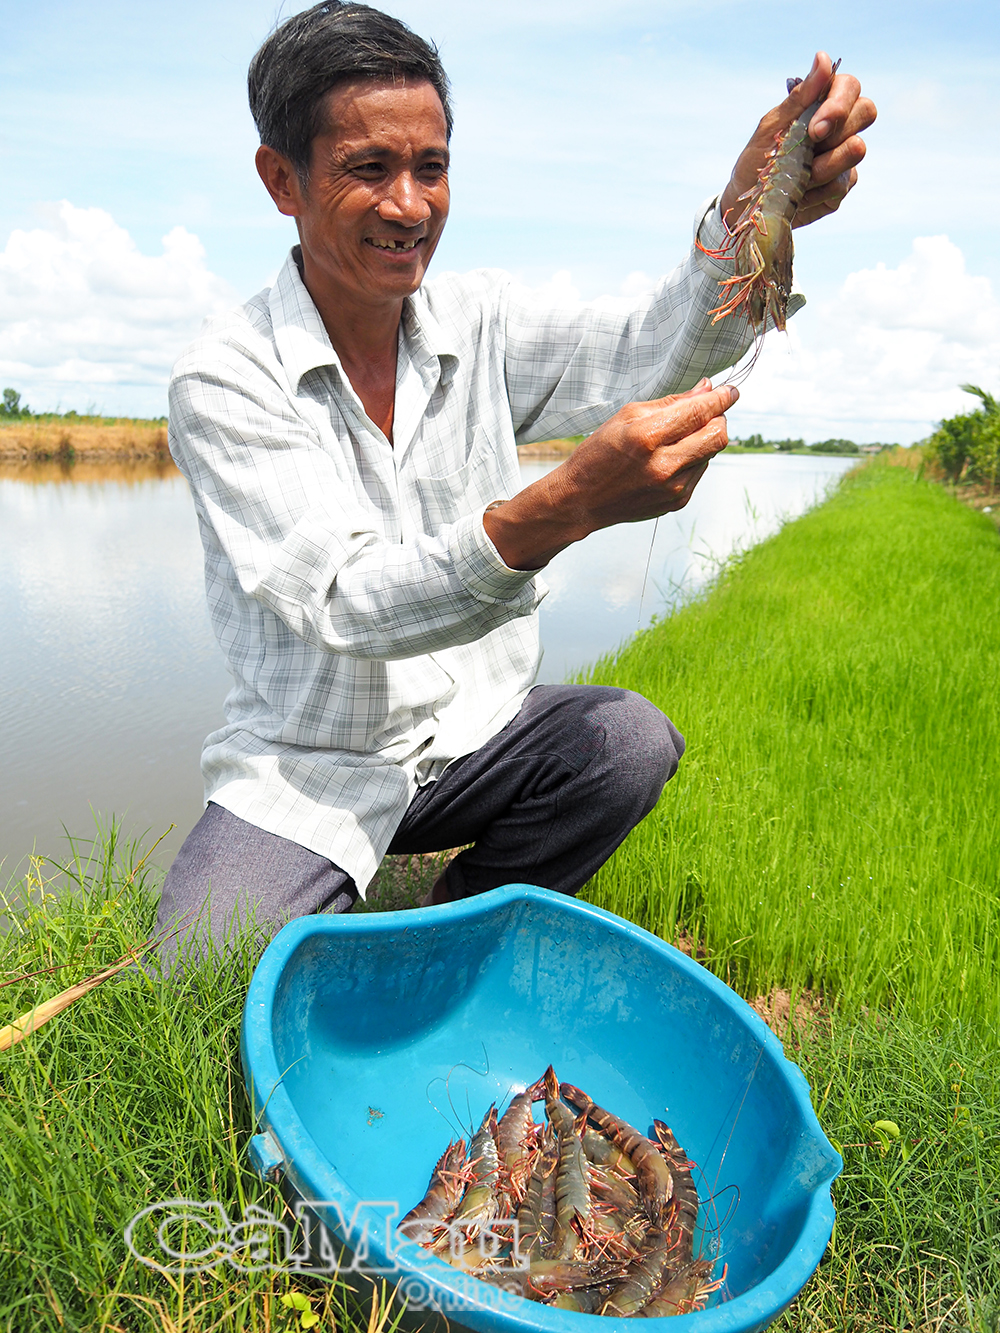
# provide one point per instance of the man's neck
(365, 339)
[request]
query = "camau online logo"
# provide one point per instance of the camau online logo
(194, 1236)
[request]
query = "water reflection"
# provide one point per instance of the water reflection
(56, 471)
(619, 580)
(111, 675)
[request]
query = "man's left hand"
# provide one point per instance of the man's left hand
(835, 129)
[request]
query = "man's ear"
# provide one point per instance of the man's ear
(281, 180)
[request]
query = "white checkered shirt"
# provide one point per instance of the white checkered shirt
(372, 630)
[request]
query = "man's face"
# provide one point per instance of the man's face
(377, 198)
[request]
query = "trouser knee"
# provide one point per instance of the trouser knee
(641, 751)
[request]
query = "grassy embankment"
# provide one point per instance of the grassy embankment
(84, 449)
(832, 829)
(839, 688)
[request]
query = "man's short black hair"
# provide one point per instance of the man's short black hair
(310, 54)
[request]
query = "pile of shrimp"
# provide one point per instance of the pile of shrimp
(583, 1212)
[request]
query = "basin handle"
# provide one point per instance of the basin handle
(266, 1156)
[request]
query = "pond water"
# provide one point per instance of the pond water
(111, 677)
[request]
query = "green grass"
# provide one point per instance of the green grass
(838, 689)
(833, 825)
(131, 1097)
(917, 1239)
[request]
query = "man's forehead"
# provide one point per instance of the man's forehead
(380, 113)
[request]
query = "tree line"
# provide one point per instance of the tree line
(967, 448)
(799, 446)
(13, 409)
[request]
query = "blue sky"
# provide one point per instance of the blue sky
(585, 138)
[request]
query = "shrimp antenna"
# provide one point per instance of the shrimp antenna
(645, 576)
(730, 1212)
(741, 371)
(455, 1126)
(739, 1112)
(714, 1191)
(462, 1064)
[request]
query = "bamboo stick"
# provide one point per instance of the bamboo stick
(41, 1013)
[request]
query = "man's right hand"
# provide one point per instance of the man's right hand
(645, 461)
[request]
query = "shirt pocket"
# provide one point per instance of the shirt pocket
(489, 473)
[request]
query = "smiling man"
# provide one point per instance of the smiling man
(371, 559)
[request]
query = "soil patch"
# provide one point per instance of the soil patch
(793, 1024)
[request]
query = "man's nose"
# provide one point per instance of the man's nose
(404, 202)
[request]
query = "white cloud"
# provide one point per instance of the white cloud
(560, 289)
(84, 316)
(637, 283)
(884, 358)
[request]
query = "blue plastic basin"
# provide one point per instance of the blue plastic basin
(369, 1041)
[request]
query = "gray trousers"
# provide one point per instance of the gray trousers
(545, 802)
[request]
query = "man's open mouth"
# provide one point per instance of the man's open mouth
(381, 243)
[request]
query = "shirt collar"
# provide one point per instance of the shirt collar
(303, 343)
(300, 336)
(428, 340)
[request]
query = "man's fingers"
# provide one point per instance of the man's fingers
(677, 423)
(860, 115)
(838, 120)
(679, 485)
(690, 411)
(703, 385)
(847, 114)
(806, 92)
(840, 160)
(833, 113)
(702, 409)
(691, 477)
(645, 460)
(842, 113)
(826, 199)
(696, 448)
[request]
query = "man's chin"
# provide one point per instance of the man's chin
(397, 286)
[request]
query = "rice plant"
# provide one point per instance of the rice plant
(833, 823)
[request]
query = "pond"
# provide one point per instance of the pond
(111, 676)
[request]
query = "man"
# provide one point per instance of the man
(350, 440)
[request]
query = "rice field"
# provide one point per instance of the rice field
(833, 823)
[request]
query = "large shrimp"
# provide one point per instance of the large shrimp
(424, 1222)
(686, 1291)
(760, 241)
(685, 1196)
(481, 1203)
(517, 1145)
(644, 1277)
(653, 1178)
(536, 1216)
